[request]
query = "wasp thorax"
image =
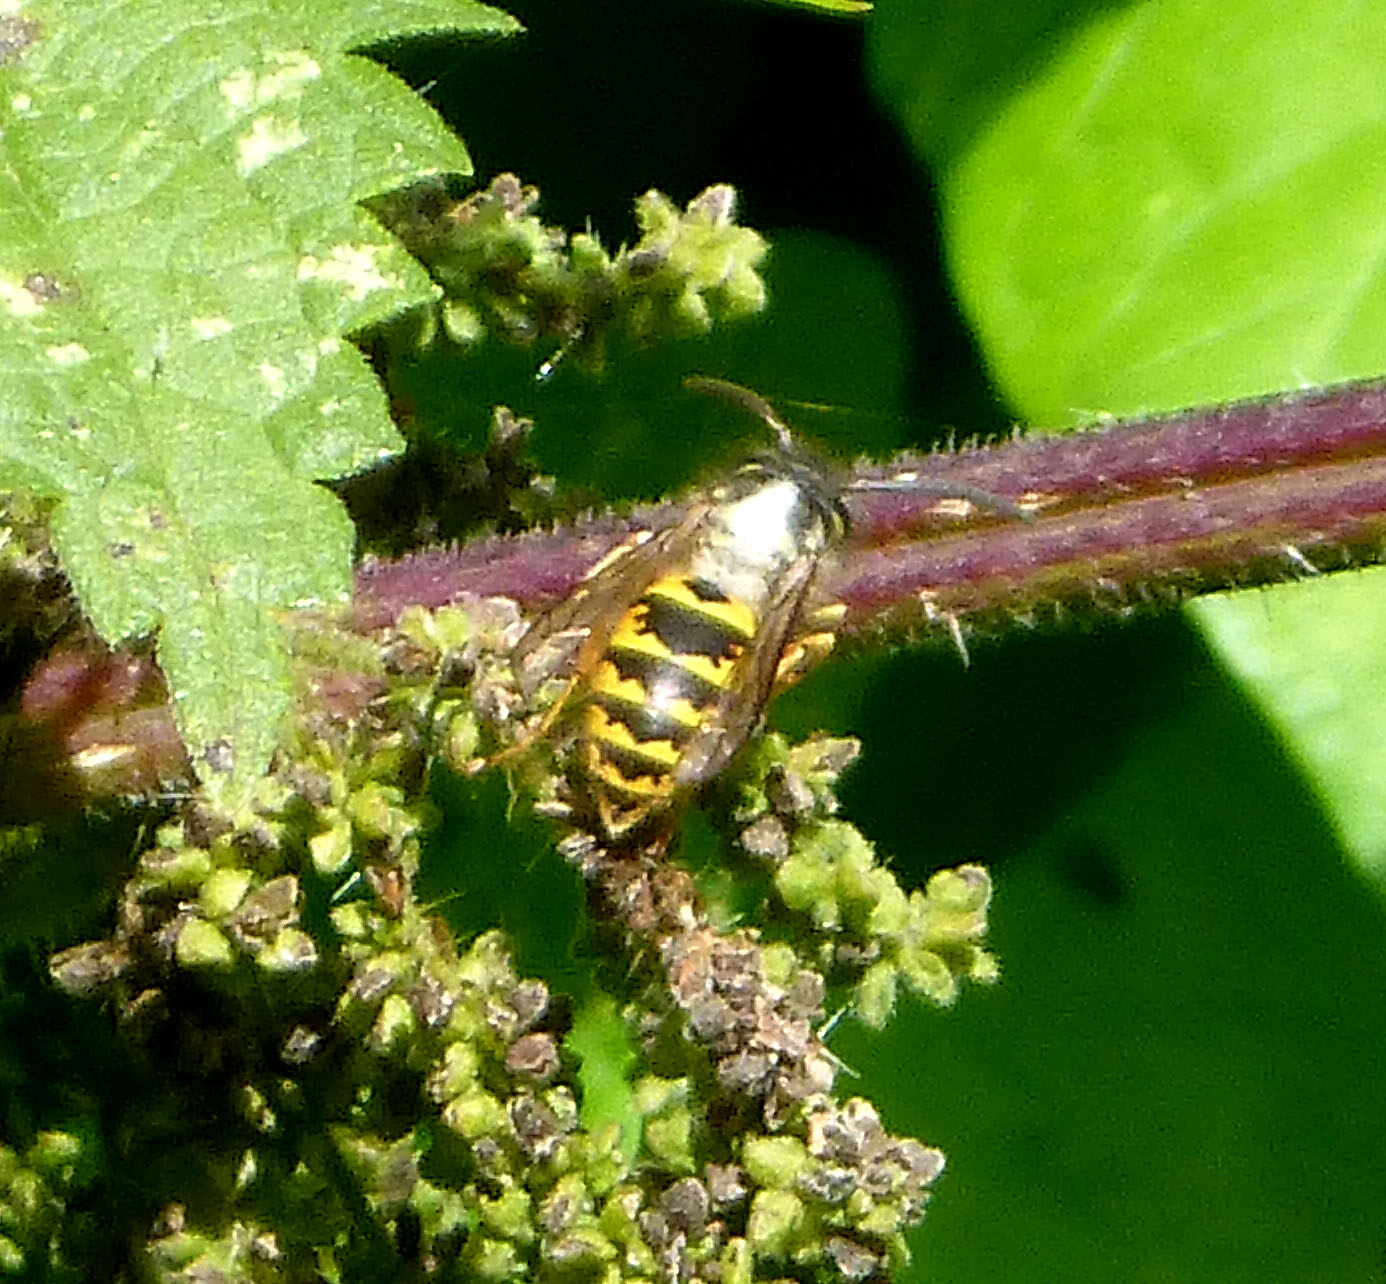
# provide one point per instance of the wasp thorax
(768, 522)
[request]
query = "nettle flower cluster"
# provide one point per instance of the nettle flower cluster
(328, 1075)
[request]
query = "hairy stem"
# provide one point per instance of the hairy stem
(1142, 512)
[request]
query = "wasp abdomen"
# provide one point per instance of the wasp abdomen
(667, 663)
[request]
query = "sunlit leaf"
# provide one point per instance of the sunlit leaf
(181, 253)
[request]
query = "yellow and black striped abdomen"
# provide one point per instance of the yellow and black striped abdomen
(658, 685)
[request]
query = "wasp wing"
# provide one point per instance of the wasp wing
(740, 706)
(616, 581)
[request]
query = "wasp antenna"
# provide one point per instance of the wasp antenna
(749, 401)
(946, 490)
(825, 1030)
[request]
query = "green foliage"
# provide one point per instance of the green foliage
(182, 253)
(1311, 665)
(1169, 205)
(1154, 199)
(506, 275)
(850, 7)
(310, 1036)
(1149, 206)
(826, 874)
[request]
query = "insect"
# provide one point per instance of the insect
(686, 634)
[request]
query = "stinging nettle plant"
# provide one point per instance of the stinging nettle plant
(284, 1028)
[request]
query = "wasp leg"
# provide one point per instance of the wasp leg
(588, 654)
(527, 740)
(806, 650)
(954, 626)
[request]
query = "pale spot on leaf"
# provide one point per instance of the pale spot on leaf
(244, 90)
(210, 327)
(68, 354)
(275, 381)
(16, 300)
(354, 267)
(268, 137)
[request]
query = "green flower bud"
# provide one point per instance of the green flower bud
(12, 1260)
(509, 1216)
(467, 1022)
(461, 738)
(604, 1162)
(669, 1140)
(882, 1221)
(178, 1251)
(580, 1251)
(202, 945)
(965, 890)
(738, 1263)
(875, 996)
(476, 1114)
(927, 974)
(493, 1259)
(890, 915)
(809, 885)
(58, 1154)
(653, 1094)
(774, 1222)
(352, 921)
(447, 629)
(743, 290)
(774, 1162)
(458, 1072)
(587, 255)
(376, 811)
(180, 870)
(621, 1209)
(331, 849)
(463, 323)
(292, 950)
(395, 1024)
(779, 964)
(26, 1194)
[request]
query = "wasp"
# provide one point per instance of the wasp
(687, 633)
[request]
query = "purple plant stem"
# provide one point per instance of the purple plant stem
(1147, 549)
(1141, 510)
(1146, 511)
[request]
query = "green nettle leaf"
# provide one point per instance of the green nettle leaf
(1307, 656)
(1182, 206)
(181, 251)
(1169, 204)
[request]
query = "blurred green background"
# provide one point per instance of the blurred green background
(984, 213)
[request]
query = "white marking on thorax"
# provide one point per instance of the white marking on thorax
(761, 539)
(761, 526)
